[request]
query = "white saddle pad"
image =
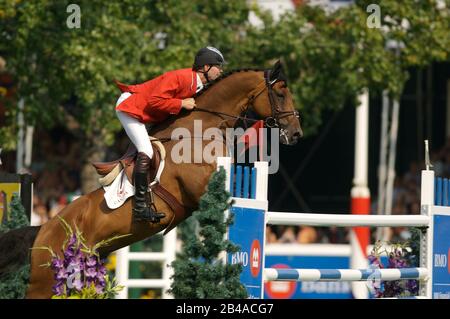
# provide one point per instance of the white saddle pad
(118, 191)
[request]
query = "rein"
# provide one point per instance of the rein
(277, 114)
(269, 122)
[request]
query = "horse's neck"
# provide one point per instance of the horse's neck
(226, 97)
(222, 102)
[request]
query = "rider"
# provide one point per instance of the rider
(152, 102)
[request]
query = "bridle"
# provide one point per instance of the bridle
(272, 121)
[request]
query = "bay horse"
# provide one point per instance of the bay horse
(221, 104)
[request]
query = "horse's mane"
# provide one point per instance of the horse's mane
(223, 76)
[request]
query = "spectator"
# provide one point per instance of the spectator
(58, 206)
(39, 214)
(289, 235)
(307, 235)
(271, 237)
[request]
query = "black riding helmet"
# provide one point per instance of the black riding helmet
(208, 56)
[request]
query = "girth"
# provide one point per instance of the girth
(109, 171)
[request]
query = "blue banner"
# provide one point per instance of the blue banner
(248, 233)
(441, 255)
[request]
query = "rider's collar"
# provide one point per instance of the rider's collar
(199, 83)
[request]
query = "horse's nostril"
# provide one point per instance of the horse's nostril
(298, 135)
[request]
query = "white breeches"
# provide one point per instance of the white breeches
(135, 130)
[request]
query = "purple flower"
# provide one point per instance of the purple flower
(372, 258)
(77, 270)
(73, 240)
(412, 286)
(100, 280)
(91, 261)
(78, 255)
(102, 270)
(69, 254)
(379, 293)
(99, 289)
(89, 281)
(393, 288)
(61, 274)
(74, 266)
(77, 284)
(91, 272)
(57, 263)
(58, 289)
(375, 262)
(72, 251)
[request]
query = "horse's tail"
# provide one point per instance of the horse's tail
(15, 248)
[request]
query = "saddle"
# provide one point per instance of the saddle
(110, 170)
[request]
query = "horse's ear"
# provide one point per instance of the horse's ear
(277, 73)
(277, 66)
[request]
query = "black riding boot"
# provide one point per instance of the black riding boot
(143, 210)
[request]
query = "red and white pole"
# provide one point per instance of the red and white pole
(360, 194)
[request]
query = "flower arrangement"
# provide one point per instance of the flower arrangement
(399, 256)
(80, 273)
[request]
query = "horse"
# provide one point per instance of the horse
(220, 105)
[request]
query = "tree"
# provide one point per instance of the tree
(14, 285)
(198, 271)
(331, 56)
(64, 72)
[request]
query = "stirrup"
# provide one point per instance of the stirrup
(148, 215)
(149, 212)
(155, 216)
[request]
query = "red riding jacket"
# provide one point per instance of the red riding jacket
(153, 101)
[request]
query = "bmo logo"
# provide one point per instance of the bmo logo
(240, 257)
(255, 258)
(441, 261)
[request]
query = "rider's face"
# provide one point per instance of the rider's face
(214, 72)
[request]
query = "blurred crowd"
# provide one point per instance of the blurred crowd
(405, 201)
(55, 171)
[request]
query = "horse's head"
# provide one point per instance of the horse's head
(273, 102)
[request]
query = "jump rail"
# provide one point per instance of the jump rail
(280, 218)
(251, 217)
(343, 274)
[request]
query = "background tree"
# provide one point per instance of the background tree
(64, 73)
(67, 73)
(14, 285)
(331, 56)
(198, 270)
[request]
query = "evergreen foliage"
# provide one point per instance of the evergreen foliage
(199, 272)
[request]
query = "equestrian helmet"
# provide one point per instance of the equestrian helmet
(210, 56)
